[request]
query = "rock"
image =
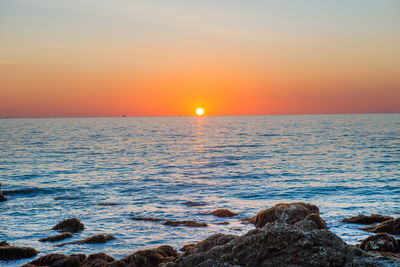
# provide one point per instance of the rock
(391, 227)
(222, 223)
(2, 197)
(319, 222)
(187, 247)
(96, 239)
(223, 213)
(287, 213)
(3, 243)
(60, 260)
(70, 225)
(380, 242)
(150, 219)
(98, 260)
(194, 204)
(277, 244)
(367, 219)
(151, 257)
(185, 223)
(107, 204)
(8, 252)
(387, 255)
(56, 238)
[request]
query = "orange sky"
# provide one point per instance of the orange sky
(96, 58)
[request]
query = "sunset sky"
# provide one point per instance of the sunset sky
(165, 57)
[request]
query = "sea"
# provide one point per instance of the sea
(181, 168)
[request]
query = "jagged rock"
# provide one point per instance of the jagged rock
(150, 219)
(151, 257)
(185, 223)
(367, 219)
(287, 213)
(187, 247)
(319, 222)
(380, 242)
(278, 244)
(391, 227)
(70, 225)
(56, 237)
(8, 252)
(96, 239)
(98, 260)
(223, 213)
(59, 260)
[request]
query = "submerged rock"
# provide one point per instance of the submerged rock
(277, 244)
(185, 223)
(56, 237)
(70, 225)
(151, 257)
(96, 239)
(149, 219)
(367, 219)
(8, 252)
(289, 213)
(391, 227)
(380, 242)
(223, 213)
(2, 197)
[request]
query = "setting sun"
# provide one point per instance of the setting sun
(199, 111)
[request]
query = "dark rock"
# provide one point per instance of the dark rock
(60, 260)
(56, 238)
(380, 242)
(194, 204)
(286, 213)
(277, 244)
(187, 247)
(367, 219)
(391, 227)
(319, 222)
(2, 197)
(3, 243)
(70, 225)
(223, 213)
(150, 219)
(8, 252)
(387, 255)
(185, 223)
(98, 260)
(96, 239)
(213, 241)
(151, 257)
(222, 223)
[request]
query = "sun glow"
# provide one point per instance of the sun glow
(199, 111)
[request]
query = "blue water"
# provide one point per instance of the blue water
(54, 169)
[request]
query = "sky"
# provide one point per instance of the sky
(80, 58)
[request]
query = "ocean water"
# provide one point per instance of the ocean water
(54, 169)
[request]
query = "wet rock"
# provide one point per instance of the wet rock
(70, 225)
(4, 243)
(223, 213)
(8, 252)
(98, 260)
(151, 257)
(187, 247)
(2, 197)
(60, 260)
(367, 219)
(319, 222)
(380, 242)
(185, 223)
(277, 244)
(391, 227)
(194, 204)
(107, 204)
(96, 239)
(286, 213)
(56, 238)
(222, 223)
(149, 219)
(387, 255)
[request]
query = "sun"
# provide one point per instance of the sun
(199, 111)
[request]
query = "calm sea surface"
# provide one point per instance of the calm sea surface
(54, 169)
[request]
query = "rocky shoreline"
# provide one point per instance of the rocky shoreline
(287, 234)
